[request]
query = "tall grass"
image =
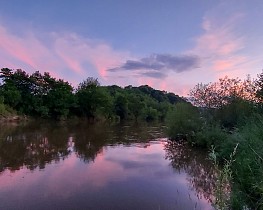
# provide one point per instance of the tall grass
(246, 172)
(5, 111)
(248, 168)
(223, 181)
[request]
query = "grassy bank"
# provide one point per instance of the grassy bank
(7, 114)
(207, 128)
(225, 114)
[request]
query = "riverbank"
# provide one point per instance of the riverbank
(237, 150)
(7, 114)
(12, 118)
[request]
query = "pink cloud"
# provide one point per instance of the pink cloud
(146, 81)
(65, 55)
(14, 46)
(229, 63)
(27, 52)
(163, 85)
(222, 65)
(104, 58)
(180, 85)
(77, 51)
(217, 43)
(222, 49)
(218, 38)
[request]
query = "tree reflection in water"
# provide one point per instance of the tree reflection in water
(36, 145)
(90, 139)
(195, 163)
(31, 146)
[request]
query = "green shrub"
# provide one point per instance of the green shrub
(211, 135)
(150, 114)
(5, 110)
(235, 113)
(184, 120)
(248, 167)
(2, 109)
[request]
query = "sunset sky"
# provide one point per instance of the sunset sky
(168, 44)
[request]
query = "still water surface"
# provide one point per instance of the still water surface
(102, 166)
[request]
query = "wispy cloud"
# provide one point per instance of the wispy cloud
(76, 51)
(221, 46)
(219, 39)
(65, 55)
(158, 65)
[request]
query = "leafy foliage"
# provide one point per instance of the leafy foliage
(41, 95)
(231, 113)
(223, 92)
(184, 120)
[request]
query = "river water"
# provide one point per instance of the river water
(100, 166)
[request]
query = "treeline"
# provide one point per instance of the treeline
(227, 117)
(41, 95)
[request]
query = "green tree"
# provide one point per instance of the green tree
(150, 114)
(136, 105)
(259, 88)
(218, 94)
(59, 99)
(9, 90)
(93, 99)
(234, 113)
(163, 109)
(121, 106)
(41, 95)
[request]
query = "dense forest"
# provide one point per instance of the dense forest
(43, 96)
(227, 119)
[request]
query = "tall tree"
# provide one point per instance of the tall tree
(92, 98)
(121, 106)
(136, 105)
(259, 85)
(60, 99)
(218, 94)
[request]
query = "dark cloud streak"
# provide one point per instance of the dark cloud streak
(157, 65)
(157, 75)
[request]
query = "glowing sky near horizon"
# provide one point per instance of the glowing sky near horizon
(170, 45)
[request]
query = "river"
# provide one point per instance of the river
(51, 165)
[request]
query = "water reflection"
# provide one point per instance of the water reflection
(195, 163)
(35, 145)
(31, 146)
(100, 166)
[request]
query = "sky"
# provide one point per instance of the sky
(170, 45)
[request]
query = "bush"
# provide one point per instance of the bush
(184, 120)
(235, 113)
(5, 110)
(2, 109)
(211, 135)
(248, 167)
